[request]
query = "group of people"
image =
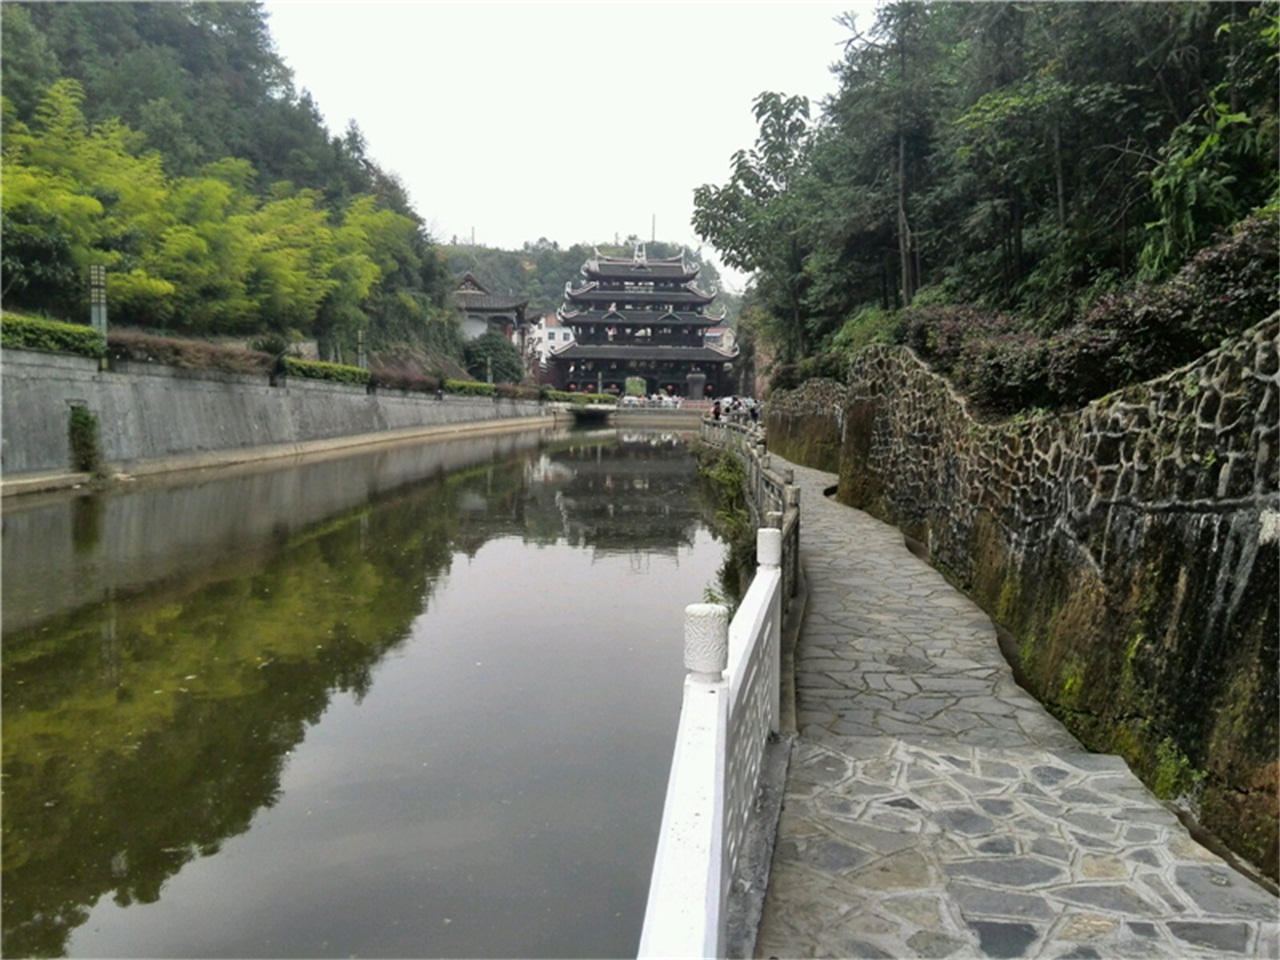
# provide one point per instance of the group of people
(736, 408)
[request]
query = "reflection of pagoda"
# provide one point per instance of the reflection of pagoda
(638, 495)
(635, 317)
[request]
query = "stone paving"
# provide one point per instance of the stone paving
(934, 809)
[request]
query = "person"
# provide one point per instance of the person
(715, 410)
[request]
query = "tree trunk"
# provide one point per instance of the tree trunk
(1057, 174)
(1017, 238)
(904, 229)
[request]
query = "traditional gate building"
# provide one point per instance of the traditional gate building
(483, 311)
(636, 317)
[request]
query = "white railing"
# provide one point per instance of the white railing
(731, 708)
(768, 491)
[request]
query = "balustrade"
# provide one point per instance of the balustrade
(731, 707)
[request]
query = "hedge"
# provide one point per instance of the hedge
(332, 372)
(29, 333)
(564, 396)
(470, 388)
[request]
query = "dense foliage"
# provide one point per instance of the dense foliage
(1046, 166)
(494, 358)
(166, 142)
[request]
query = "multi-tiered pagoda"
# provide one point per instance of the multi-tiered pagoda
(636, 317)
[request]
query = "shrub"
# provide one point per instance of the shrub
(331, 372)
(939, 333)
(186, 354)
(564, 396)
(492, 354)
(867, 326)
(403, 379)
(82, 430)
(31, 333)
(470, 388)
(1005, 373)
(516, 391)
(1129, 336)
(276, 344)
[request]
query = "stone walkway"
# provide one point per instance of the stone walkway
(934, 809)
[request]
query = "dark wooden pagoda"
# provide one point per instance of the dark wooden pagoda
(636, 317)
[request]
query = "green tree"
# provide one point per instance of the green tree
(29, 66)
(493, 356)
(757, 220)
(292, 254)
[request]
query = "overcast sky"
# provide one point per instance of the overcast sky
(577, 122)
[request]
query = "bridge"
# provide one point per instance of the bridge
(931, 807)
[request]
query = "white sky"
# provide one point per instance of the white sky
(577, 122)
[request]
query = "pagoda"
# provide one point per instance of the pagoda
(636, 317)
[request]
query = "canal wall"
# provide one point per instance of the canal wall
(1131, 549)
(150, 415)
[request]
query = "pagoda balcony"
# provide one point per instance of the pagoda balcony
(640, 298)
(623, 315)
(621, 339)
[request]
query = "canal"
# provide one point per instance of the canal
(418, 702)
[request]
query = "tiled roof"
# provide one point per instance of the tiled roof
(487, 301)
(630, 270)
(471, 294)
(686, 293)
(637, 318)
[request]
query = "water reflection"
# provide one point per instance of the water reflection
(353, 707)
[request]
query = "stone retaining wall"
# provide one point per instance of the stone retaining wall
(149, 412)
(1132, 549)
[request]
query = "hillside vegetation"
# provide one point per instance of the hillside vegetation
(168, 143)
(1027, 193)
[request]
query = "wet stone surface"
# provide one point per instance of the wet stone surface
(934, 809)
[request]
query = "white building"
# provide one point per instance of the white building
(546, 337)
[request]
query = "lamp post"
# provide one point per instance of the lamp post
(98, 304)
(98, 298)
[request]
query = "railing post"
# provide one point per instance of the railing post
(769, 557)
(706, 641)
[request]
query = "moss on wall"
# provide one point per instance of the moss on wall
(1132, 548)
(805, 425)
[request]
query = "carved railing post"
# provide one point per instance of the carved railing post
(706, 641)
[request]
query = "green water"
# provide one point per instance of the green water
(415, 703)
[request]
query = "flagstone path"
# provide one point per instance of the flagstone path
(934, 809)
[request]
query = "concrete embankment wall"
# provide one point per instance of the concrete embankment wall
(151, 415)
(1132, 548)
